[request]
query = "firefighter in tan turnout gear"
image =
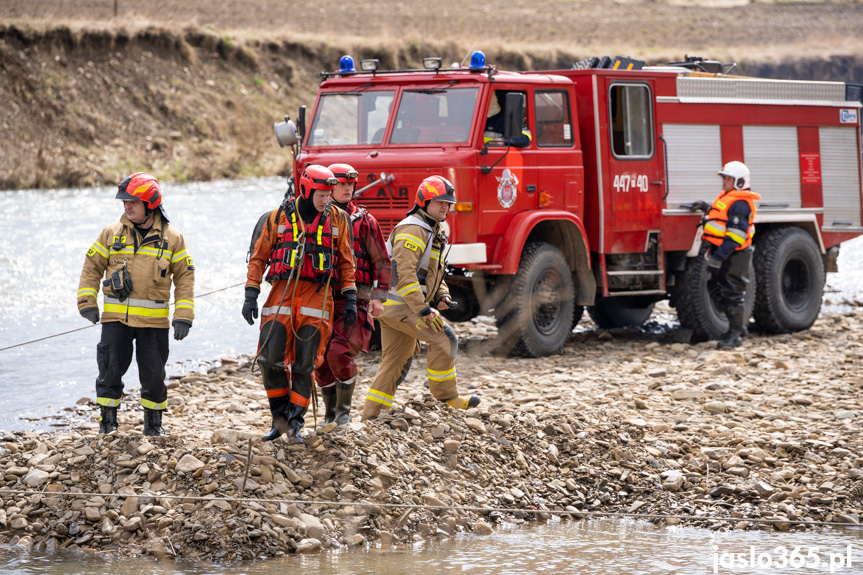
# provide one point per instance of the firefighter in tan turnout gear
(417, 248)
(141, 255)
(305, 244)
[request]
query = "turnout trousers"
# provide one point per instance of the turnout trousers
(728, 286)
(114, 355)
(400, 339)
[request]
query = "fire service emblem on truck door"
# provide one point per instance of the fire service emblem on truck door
(507, 188)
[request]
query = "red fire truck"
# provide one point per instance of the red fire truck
(596, 209)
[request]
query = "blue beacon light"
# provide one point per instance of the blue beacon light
(477, 60)
(346, 64)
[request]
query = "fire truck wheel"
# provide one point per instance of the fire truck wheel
(696, 310)
(535, 318)
(790, 280)
(609, 313)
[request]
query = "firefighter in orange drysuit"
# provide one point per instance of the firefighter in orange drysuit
(337, 376)
(303, 244)
(417, 248)
(728, 231)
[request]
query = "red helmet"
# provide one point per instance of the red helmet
(316, 178)
(435, 188)
(141, 186)
(345, 173)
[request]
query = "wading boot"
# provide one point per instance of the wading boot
(153, 422)
(344, 393)
(296, 419)
(463, 402)
(278, 409)
(107, 420)
(329, 394)
(734, 336)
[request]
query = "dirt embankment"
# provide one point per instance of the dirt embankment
(84, 102)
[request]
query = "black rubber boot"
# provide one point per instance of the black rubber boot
(153, 422)
(278, 410)
(296, 420)
(330, 401)
(107, 419)
(734, 336)
(344, 393)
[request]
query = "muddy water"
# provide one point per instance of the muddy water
(588, 547)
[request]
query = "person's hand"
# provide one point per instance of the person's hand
(713, 264)
(446, 303)
(350, 313)
(431, 319)
(700, 206)
(181, 329)
(376, 308)
(91, 314)
(250, 306)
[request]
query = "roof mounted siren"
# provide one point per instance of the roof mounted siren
(699, 64)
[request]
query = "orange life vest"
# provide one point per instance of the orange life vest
(715, 229)
(318, 260)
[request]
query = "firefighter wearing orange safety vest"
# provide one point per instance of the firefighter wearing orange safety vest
(141, 255)
(728, 231)
(307, 247)
(417, 247)
(338, 374)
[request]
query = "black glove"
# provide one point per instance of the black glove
(701, 206)
(90, 313)
(181, 329)
(120, 283)
(713, 264)
(250, 306)
(350, 308)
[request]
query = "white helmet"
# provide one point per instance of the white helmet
(739, 172)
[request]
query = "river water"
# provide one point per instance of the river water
(44, 235)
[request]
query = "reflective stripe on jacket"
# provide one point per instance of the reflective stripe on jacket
(716, 221)
(153, 263)
(418, 268)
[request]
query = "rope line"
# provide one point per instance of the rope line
(94, 325)
(483, 510)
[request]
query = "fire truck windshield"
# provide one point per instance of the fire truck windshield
(434, 116)
(351, 118)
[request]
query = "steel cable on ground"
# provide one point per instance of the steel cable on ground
(93, 324)
(483, 510)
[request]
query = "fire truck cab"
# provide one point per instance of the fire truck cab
(575, 187)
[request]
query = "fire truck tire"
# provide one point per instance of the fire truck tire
(536, 317)
(609, 313)
(696, 310)
(790, 280)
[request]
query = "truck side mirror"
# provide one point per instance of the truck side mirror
(301, 123)
(513, 115)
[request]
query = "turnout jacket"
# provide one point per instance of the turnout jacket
(153, 263)
(418, 251)
(274, 229)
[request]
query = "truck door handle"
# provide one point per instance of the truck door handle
(531, 188)
(656, 183)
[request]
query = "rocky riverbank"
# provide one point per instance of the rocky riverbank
(622, 421)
